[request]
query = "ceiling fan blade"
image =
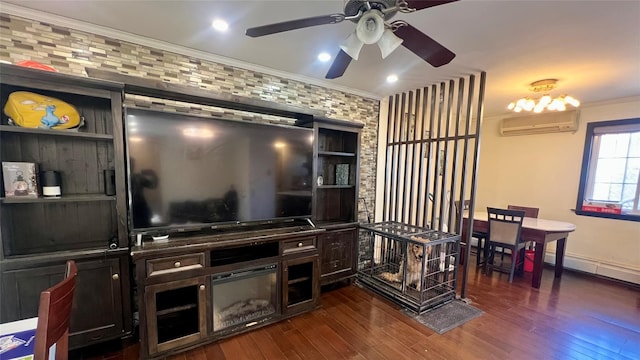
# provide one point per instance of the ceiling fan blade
(423, 4)
(339, 65)
(294, 24)
(424, 46)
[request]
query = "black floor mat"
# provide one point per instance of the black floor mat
(448, 316)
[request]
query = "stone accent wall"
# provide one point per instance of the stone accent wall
(71, 51)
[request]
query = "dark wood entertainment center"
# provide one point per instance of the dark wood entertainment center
(175, 280)
(173, 287)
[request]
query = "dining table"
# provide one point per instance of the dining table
(537, 230)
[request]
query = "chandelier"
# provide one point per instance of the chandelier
(546, 102)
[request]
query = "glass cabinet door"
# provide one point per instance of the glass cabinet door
(176, 313)
(301, 285)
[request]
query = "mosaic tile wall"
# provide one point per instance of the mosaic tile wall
(71, 51)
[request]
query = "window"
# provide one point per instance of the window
(610, 178)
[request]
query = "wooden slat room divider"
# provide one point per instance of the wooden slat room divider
(430, 160)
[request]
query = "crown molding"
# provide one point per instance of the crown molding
(57, 20)
(617, 101)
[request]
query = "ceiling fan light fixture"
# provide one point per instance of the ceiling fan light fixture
(352, 46)
(388, 43)
(370, 27)
(370, 17)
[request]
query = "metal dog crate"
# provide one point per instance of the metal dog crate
(392, 262)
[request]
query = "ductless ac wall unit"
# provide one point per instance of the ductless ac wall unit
(551, 122)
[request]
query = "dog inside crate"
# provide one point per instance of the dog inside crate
(396, 257)
(424, 262)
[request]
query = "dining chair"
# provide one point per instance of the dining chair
(54, 312)
(479, 236)
(505, 227)
(531, 212)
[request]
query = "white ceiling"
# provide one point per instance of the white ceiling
(592, 47)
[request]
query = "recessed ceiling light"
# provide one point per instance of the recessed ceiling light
(392, 78)
(220, 25)
(324, 57)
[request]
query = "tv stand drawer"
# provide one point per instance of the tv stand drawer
(298, 245)
(172, 264)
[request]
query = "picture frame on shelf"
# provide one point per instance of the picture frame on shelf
(342, 174)
(20, 179)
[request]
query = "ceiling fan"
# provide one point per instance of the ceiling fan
(372, 27)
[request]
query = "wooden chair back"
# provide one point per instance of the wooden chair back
(531, 212)
(54, 312)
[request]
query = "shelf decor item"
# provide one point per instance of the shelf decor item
(109, 182)
(51, 182)
(20, 179)
(342, 174)
(31, 110)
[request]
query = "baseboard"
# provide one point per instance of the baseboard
(591, 266)
(598, 268)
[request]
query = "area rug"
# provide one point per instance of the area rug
(448, 316)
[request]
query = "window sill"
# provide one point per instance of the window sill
(628, 217)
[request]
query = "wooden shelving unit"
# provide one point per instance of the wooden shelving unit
(335, 204)
(39, 234)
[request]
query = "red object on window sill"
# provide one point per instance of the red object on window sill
(601, 209)
(36, 65)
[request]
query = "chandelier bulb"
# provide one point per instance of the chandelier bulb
(529, 105)
(545, 100)
(561, 106)
(572, 101)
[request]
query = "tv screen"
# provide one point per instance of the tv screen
(189, 172)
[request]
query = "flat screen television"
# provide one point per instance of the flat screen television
(188, 172)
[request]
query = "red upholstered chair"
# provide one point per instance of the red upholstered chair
(54, 312)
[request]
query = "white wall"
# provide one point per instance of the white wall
(544, 171)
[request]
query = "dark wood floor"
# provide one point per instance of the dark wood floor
(575, 317)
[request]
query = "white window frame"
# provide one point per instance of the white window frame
(589, 166)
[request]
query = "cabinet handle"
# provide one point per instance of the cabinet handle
(176, 264)
(115, 276)
(299, 244)
(201, 287)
